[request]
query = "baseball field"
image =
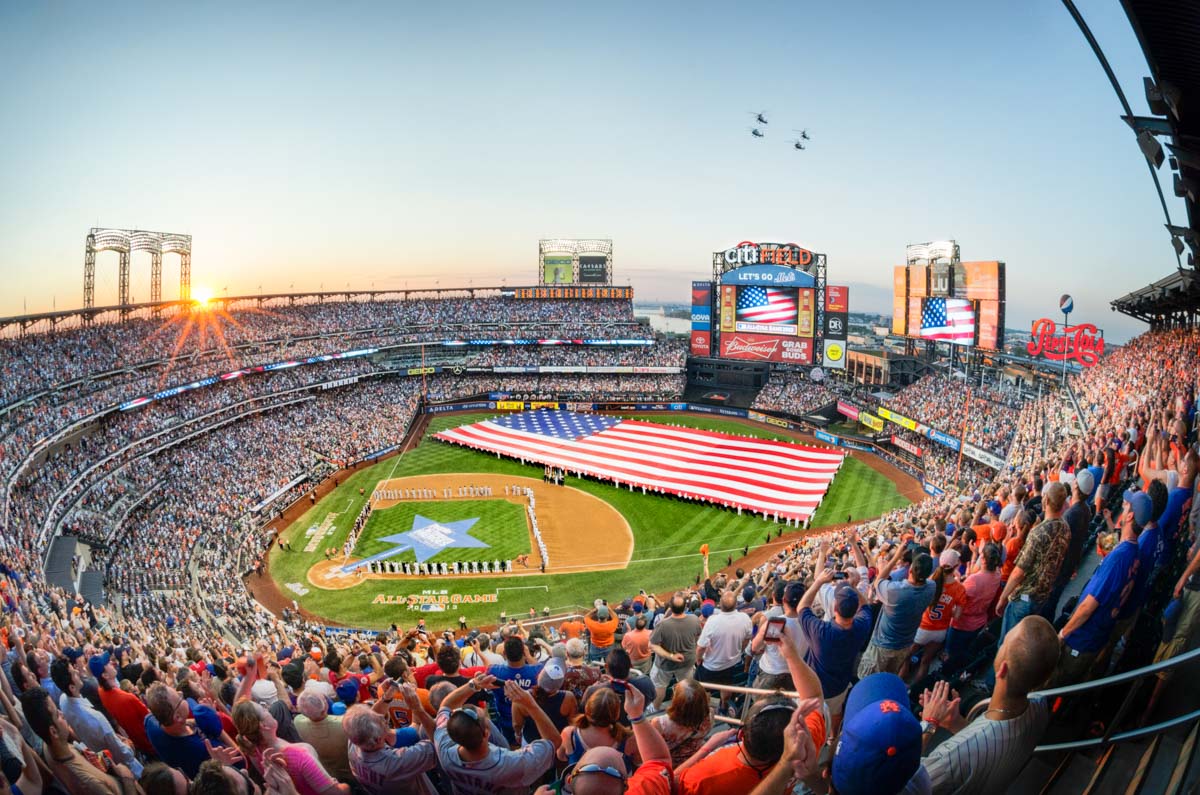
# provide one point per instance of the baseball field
(600, 540)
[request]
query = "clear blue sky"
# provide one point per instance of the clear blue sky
(392, 145)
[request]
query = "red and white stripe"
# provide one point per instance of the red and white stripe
(763, 476)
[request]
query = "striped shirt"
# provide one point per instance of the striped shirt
(986, 756)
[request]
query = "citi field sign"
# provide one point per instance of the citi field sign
(786, 254)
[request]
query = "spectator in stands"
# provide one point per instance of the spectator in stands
(1078, 517)
(985, 755)
(902, 603)
(559, 705)
(598, 724)
(719, 767)
(473, 764)
(379, 768)
(687, 720)
(773, 672)
(674, 645)
(636, 643)
(833, 646)
(1032, 580)
(125, 708)
(325, 733)
(981, 589)
(256, 737)
(580, 674)
(68, 765)
(515, 669)
(1087, 631)
(602, 626)
(721, 643)
(89, 725)
(935, 621)
(181, 742)
(879, 751)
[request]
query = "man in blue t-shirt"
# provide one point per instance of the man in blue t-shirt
(1178, 499)
(902, 604)
(1087, 632)
(516, 670)
(176, 740)
(833, 645)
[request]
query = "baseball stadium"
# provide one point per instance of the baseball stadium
(429, 500)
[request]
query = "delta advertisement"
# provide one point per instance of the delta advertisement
(767, 348)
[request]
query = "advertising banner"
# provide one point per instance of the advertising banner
(918, 281)
(871, 421)
(836, 325)
(847, 409)
(510, 405)
(932, 490)
(914, 317)
(828, 438)
(472, 406)
(834, 357)
(983, 281)
(728, 307)
(701, 343)
(866, 448)
(773, 275)
(701, 318)
(837, 298)
(593, 270)
(983, 456)
(989, 325)
(805, 297)
(758, 416)
(899, 299)
(706, 409)
(943, 439)
(701, 293)
(543, 404)
(767, 348)
(1083, 343)
(904, 444)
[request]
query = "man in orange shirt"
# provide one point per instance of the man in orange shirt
(602, 626)
(572, 628)
(125, 708)
(736, 762)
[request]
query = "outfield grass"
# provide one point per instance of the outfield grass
(502, 526)
(667, 535)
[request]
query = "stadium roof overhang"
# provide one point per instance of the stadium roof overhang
(1169, 34)
(1170, 297)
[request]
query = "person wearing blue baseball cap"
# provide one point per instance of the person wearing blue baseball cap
(879, 752)
(1087, 631)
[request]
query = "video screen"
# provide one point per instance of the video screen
(948, 320)
(557, 270)
(593, 270)
(757, 309)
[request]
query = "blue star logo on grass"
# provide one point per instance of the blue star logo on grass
(427, 538)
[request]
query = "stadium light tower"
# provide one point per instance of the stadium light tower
(127, 241)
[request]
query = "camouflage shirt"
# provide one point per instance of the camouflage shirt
(1041, 558)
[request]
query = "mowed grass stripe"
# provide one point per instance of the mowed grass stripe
(662, 527)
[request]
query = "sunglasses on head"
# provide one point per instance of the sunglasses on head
(606, 770)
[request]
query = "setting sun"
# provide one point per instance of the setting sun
(202, 295)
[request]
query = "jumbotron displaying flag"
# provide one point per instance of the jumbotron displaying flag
(775, 478)
(767, 305)
(949, 320)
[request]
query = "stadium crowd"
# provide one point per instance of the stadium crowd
(793, 393)
(884, 633)
(941, 402)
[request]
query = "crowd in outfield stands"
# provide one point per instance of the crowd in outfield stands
(793, 393)
(943, 403)
(883, 633)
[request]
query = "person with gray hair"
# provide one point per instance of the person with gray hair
(380, 768)
(324, 732)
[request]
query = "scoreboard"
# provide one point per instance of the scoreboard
(572, 292)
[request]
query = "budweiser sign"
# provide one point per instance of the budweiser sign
(1083, 343)
(767, 348)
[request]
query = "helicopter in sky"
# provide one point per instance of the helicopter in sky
(757, 133)
(802, 133)
(797, 145)
(760, 117)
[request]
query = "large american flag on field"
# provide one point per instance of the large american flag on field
(767, 305)
(775, 478)
(948, 319)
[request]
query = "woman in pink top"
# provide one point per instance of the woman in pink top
(256, 734)
(982, 588)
